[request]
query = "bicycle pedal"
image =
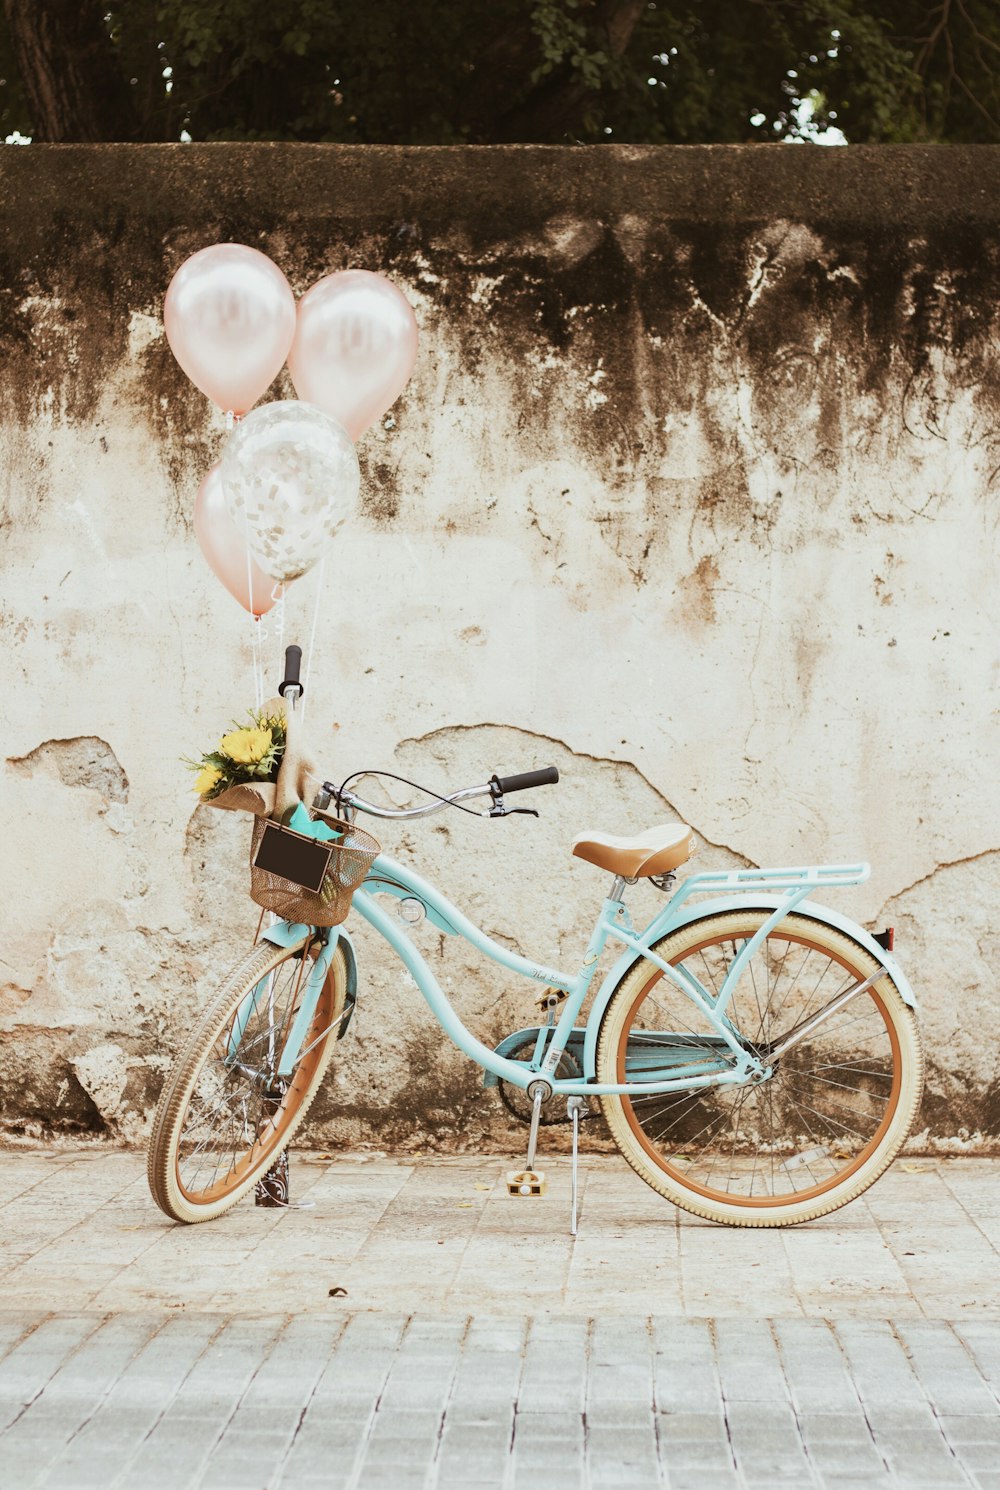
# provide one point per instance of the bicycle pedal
(526, 1182)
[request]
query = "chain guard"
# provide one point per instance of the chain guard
(518, 1103)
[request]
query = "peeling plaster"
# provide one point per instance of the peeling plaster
(691, 493)
(86, 762)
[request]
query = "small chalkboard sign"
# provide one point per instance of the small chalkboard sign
(294, 857)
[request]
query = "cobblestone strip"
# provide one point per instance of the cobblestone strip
(832, 1424)
(905, 1430)
(620, 1423)
(760, 1417)
(173, 1453)
(405, 1435)
(548, 1442)
(691, 1427)
(71, 1396)
(260, 1432)
(337, 1419)
(963, 1401)
(27, 1369)
(380, 1402)
(479, 1423)
(100, 1452)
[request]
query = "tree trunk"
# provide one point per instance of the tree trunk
(71, 80)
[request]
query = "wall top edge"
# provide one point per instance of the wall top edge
(900, 185)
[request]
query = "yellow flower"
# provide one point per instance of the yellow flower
(206, 778)
(246, 746)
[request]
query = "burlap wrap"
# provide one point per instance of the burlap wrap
(297, 781)
(270, 798)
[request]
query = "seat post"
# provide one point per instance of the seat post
(617, 887)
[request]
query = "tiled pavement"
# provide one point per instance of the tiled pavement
(479, 1345)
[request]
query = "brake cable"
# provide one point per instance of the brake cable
(391, 775)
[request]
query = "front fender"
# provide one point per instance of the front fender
(290, 933)
(664, 923)
(285, 933)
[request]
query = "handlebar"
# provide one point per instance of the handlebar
(547, 776)
(293, 665)
(493, 789)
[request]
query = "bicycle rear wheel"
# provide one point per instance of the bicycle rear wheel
(224, 1115)
(809, 1139)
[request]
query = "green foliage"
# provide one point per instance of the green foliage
(447, 71)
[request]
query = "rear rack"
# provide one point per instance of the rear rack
(802, 879)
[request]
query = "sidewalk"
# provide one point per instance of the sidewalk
(478, 1344)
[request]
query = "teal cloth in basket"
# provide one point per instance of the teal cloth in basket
(301, 822)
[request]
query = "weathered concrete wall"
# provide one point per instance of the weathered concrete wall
(693, 494)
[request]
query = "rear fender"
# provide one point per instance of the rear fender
(661, 925)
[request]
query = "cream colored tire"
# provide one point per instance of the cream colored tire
(174, 1184)
(711, 935)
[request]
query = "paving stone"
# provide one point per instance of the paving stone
(555, 1365)
(766, 1442)
(814, 1367)
(749, 1364)
(692, 1477)
(685, 1375)
(947, 1372)
(587, 1379)
(72, 1394)
(110, 1438)
(261, 1431)
(879, 1365)
(29, 1367)
(964, 1430)
(176, 1449)
(920, 1457)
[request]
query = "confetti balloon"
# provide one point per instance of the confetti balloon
(290, 477)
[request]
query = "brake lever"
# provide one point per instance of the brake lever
(501, 811)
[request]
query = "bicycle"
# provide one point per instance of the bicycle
(756, 1055)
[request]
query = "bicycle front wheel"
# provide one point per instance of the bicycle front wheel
(224, 1114)
(809, 1139)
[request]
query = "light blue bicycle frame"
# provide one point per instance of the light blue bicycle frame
(736, 1064)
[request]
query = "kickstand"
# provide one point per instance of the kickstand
(576, 1108)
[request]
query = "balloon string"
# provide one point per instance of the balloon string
(257, 640)
(258, 633)
(278, 594)
(312, 634)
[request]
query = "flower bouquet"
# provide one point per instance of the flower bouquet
(263, 767)
(242, 771)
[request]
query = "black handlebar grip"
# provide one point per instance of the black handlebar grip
(293, 662)
(547, 776)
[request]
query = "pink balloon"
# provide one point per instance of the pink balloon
(229, 315)
(354, 349)
(225, 549)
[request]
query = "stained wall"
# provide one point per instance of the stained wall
(693, 494)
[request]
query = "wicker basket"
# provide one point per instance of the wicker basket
(351, 857)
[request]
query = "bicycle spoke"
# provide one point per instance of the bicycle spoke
(824, 1103)
(237, 1107)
